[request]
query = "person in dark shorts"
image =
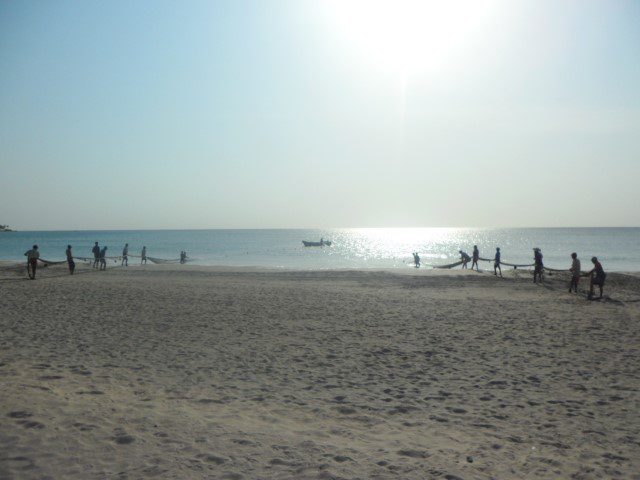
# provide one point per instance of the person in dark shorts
(475, 257)
(125, 255)
(96, 255)
(537, 265)
(465, 258)
(72, 264)
(416, 259)
(496, 263)
(143, 256)
(103, 258)
(597, 277)
(575, 272)
(32, 261)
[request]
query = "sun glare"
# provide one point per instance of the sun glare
(407, 36)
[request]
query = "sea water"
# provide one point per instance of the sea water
(358, 248)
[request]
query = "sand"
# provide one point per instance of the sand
(192, 372)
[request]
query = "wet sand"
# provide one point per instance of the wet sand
(194, 372)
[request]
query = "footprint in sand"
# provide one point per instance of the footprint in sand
(342, 458)
(460, 411)
(19, 463)
(121, 437)
(84, 427)
(247, 443)
(231, 476)
(79, 370)
(211, 458)
(19, 414)
(413, 453)
(31, 424)
(346, 410)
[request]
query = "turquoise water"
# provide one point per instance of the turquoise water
(618, 248)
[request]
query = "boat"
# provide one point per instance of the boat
(321, 243)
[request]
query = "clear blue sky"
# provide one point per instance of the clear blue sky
(300, 113)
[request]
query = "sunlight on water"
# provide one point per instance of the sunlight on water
(378, 244)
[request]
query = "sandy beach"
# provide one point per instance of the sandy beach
(196, 372)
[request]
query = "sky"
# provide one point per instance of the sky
(299, 113)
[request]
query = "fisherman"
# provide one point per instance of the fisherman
(476, 257)
(72, 264)
(32, 261)
(537, 265)
(143, 256)
(465, 258)
(96, 255)
(125, 255)
(103, 258)
(597, 277)
(496, 263)
(575, 272)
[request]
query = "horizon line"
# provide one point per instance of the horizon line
(17, 230)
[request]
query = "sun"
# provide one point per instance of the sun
(407, 36)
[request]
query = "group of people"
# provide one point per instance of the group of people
(596, 274)
(465, 258)
(99, 258)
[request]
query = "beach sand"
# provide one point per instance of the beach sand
(193, 372)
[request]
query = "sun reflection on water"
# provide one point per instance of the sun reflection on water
(397, 244)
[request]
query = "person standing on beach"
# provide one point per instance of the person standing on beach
(597, 277)
(143, 256)
(496, 263)
(416, 259)
(96, 255)
(537, 265)
(465, 258)
(103, 259)
(575, 272)
(125, 255)
(72, 264)
(476, 257)
(32, 261)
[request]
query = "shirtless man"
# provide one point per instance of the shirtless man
(32, 261)
(575, 272)
(496, 263)
(465, 258)
(476, 257)
(96, 255)
(597, 277)
(125, 255)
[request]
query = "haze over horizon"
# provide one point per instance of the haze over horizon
(154, 115)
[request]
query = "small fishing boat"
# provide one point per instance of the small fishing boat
(321, 243)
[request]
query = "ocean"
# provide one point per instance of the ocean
(357, 248)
